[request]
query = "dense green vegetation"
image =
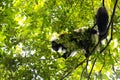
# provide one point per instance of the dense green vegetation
(26, 30)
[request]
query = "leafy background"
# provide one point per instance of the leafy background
(26, 29)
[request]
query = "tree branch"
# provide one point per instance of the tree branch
(84, 69)
(69, 72)
(91, 69)
(112, 15)
(103, 3)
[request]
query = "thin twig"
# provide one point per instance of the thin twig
(95, 47)
(65, 75)
(109, 40)
(113, 68)
(84, 69)
(92, 69)
(102, 68)
(112, 15)
(103, 3)
(103, 64)
(118, 7)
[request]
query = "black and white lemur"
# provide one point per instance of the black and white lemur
(83, 38)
